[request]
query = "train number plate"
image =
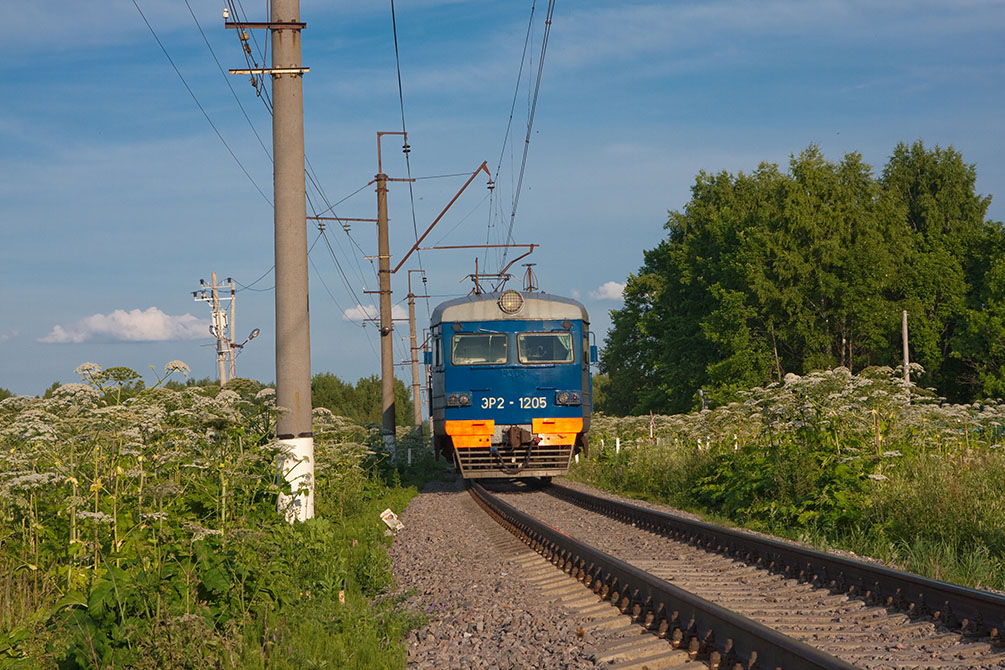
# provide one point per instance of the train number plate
(527, 402)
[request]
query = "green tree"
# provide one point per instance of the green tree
(5, 393)
(767, 273)
(943, 274)
(361, 402)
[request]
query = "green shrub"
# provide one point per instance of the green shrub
(139, 529)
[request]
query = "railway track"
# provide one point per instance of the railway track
(738, 601)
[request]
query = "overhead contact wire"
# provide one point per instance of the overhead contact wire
(509, 122)
(530, 122)
(408, 164)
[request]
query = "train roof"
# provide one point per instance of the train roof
(486, 307)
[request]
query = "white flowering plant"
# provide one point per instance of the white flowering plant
(125, 509)
(827, 454)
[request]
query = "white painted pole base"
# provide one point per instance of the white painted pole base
(392, 447)
(297, 468)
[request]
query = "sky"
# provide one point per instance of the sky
(117, 193)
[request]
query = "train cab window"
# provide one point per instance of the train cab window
(480, 349)
(544, 347)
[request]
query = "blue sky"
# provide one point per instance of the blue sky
(116, 195)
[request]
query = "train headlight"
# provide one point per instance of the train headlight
(459, 400)
(568, 398)
(510, 301)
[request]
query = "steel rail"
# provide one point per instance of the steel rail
(724, 639)
(969, 611)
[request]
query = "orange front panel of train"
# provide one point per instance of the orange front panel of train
(557, 432)
(465, 434)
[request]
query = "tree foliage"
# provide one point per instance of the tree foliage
(767, 273)
(360, 402)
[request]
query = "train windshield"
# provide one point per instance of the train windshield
(489, 349)
(544, 347)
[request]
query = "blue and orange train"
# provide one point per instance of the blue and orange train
(510, 385)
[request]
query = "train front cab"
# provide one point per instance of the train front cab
(511, 398)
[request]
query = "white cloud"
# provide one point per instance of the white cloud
(7, 335)
(611, 290)
(361, 313)
(149, 325)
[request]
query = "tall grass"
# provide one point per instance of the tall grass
(866, 463)
(142, 532)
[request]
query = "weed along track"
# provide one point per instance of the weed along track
(735, 600)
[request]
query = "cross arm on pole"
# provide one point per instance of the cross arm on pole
(483, 166)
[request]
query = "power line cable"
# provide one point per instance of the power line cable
(530, 121)
(323, 283)
(257, 80)
(226, 78)
(199, 104)
(264, 275)
(350, 255)
(341, 271)
(408, 165)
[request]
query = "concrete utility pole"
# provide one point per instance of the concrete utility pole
(384, 275)
(416, 398)
(231, 349)
(221, 329)
(907, 362)
(293, 335)
(386, 323)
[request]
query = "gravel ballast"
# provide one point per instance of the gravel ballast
(462, 576)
